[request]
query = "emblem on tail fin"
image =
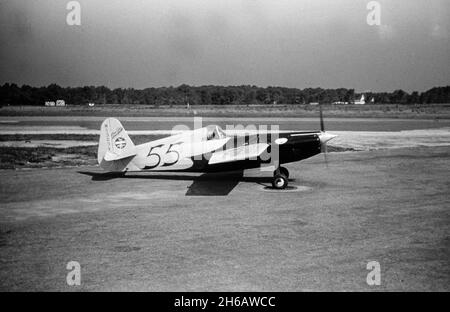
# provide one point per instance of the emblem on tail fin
(120, 143)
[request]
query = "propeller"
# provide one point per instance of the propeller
(322, 126)
(324, 137)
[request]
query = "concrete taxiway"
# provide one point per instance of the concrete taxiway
(193, 232)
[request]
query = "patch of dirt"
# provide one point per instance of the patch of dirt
(26, 157)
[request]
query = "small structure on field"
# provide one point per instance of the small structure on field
(361, 101)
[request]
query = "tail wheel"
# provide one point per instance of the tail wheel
(280, 181)
(284, 171)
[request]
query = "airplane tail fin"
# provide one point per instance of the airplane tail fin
(114, 144)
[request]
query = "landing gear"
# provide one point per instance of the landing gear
(284, 171)
(280, 178)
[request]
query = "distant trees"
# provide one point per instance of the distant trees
(436, 95)
(11, 94)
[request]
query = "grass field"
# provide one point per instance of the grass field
(421, 111)
(39, 157)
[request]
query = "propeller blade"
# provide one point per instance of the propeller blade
(324, 137)
(322, 126)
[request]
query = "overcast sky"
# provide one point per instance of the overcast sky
(294, 43)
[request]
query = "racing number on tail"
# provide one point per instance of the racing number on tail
(158, 155)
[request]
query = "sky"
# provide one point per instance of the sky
(291, 43)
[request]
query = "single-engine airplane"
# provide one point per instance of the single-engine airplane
(209, 149)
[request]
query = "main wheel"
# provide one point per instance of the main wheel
(280, 181)
(284, 171)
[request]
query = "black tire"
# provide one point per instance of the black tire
(280, 181)
(284, 171)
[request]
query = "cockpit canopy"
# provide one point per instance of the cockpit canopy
(214, 132)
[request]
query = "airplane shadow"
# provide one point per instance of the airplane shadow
(207, 184)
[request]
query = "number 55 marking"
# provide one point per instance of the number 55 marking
(159, 156)
(154, 154)
(171, 151)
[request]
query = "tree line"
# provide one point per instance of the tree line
(11, 94)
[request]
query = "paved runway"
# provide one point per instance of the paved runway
(90, 124)
(225, 232)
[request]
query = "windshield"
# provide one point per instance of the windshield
(215, 133)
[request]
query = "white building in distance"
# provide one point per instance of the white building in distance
(361, 101)
(340, 103)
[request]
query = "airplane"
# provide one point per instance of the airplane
(209, 149)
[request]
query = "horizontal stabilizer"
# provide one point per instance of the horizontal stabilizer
(111, 156)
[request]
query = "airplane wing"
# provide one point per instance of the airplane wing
(202, 147)
(239, 153)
